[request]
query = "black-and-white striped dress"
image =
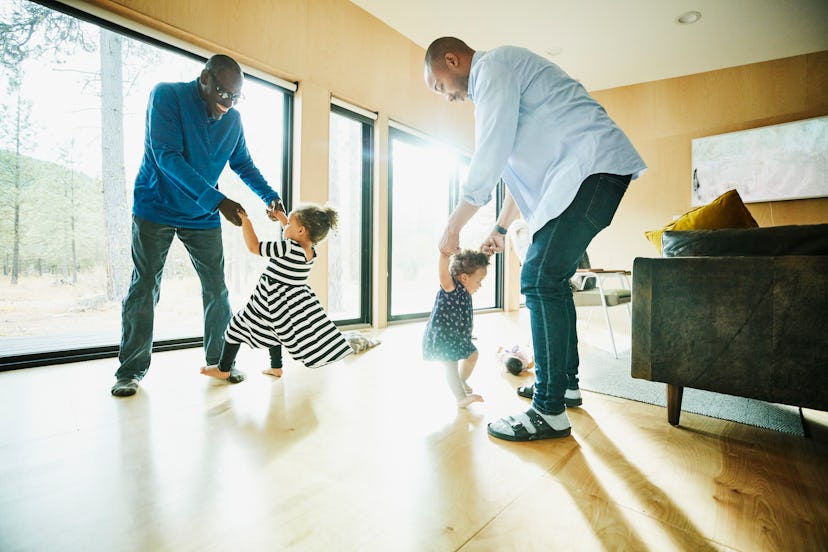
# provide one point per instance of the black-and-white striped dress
(284, 310)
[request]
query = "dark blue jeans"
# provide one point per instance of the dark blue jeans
(550, 262)
(150, 245)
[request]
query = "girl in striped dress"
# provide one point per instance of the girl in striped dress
(283, 311)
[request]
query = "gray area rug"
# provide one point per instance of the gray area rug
(601, 373)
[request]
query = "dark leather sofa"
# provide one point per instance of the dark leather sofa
(736, 311)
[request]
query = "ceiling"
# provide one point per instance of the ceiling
(610, 43)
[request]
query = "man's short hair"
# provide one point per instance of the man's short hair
(442, 46)
(219, 62)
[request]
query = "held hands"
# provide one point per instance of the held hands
(230, 210)
(276, 211)
(450, 242)
(493, 244)
(280, 217)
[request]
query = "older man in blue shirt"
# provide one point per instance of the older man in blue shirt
(192, 133)
(566, 166)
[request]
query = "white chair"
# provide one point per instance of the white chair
(601, 296)
(589, 290)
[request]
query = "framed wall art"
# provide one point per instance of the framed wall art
(772, 163)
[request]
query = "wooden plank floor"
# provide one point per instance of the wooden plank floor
(371, 454)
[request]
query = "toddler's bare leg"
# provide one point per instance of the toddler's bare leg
(468, 400)
(466, 368)
(453, 379)
(455, 383)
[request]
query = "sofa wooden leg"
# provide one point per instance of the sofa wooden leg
(674, 393)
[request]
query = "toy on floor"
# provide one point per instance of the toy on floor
(359, 342)
(516, 359)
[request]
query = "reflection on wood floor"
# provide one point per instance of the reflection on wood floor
(371, 454)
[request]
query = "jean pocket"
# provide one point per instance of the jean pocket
(606, 196)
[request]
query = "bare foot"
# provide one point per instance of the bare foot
(463, 403)
(214, 372)
(467, 388)
(277, 372)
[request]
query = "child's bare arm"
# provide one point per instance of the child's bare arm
(281, 217)
(446, 282)
(251, 240)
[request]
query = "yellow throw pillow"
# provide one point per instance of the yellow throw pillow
(726, 211)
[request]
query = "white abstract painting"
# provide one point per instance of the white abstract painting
(773, 163)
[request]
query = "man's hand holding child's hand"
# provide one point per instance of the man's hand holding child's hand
(493, 244)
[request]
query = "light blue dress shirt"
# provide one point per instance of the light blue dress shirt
(538, 129)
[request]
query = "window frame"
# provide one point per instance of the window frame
(366, 225)
(394, 133)
(94, 352)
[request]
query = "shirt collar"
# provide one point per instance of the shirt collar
(194, 87)
(478, 55)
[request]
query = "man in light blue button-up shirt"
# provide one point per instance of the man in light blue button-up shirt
(566, 165)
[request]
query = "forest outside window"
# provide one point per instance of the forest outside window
(72, 140)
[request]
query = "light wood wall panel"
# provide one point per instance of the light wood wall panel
(332, 44)
(662, 117)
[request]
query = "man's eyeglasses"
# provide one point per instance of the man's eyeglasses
(224, 94)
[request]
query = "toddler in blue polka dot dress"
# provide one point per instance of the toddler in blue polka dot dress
(448, 334)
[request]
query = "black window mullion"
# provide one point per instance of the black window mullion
(366, 226)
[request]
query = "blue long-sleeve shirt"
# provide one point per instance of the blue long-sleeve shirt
(538, 129)
(185, 151)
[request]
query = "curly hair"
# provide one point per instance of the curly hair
(467, 261)
(318, 220)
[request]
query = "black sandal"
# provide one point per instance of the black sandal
(542, 429)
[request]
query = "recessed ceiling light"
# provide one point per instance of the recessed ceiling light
(688, 18)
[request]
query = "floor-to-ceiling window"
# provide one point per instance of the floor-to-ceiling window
(424, 182)
(472, 236)
(349, 190)
(75, 91)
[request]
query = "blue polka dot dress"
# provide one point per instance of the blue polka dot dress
(449, 329)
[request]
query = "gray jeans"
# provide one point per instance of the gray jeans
(150, 245)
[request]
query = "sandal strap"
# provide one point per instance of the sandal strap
(517, 427)
(537, 420)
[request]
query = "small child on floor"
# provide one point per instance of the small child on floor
(516, 359)
(448, 334)
(283, 310)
